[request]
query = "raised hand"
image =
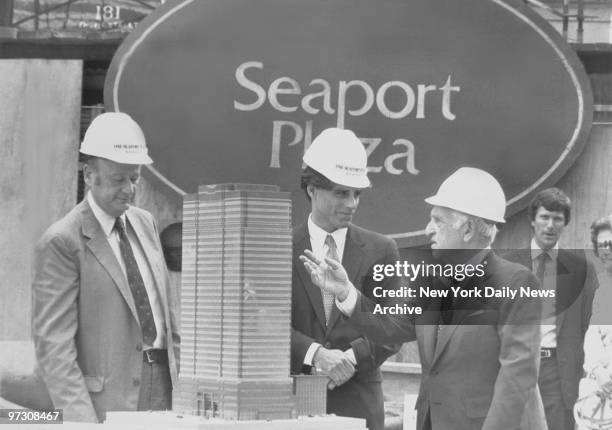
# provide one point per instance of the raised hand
(328, 274)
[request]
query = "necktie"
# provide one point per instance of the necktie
(328, 299)
(141, 298)
(548, 305)
(543, 260)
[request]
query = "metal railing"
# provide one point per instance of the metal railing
(73, 15)
(565, 15)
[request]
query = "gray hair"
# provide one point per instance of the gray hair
(486, 230)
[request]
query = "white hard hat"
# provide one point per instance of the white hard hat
(474, 192)
(340, 156)
(116, 137)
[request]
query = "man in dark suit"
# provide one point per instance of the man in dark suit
(479, 356)
(322, 339)
(566, 317)
(104, 320)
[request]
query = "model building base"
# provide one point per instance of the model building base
(171, 420)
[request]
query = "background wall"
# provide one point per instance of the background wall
(587, 183)
(39, 126)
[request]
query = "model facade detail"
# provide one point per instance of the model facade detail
(236, 304)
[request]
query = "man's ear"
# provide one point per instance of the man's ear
(469, 232)
(310, 189)
(88, 172)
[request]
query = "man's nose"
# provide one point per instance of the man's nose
(352, 201)
(429, 229)
(128, 187)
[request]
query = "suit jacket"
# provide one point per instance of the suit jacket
(576, 285)
(361, 396)
(86, 330)
(480, 371)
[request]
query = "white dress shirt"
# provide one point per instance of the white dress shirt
(107, 222)
(319, 249)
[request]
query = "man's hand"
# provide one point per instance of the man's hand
(335, 364)
(603, 376)
(328, 275)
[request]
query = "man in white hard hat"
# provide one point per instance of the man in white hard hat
(322, 340)
(567, 316)
(479, 356)
(104, 321)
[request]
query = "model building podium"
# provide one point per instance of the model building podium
(236, 308)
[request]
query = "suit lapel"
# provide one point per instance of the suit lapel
(430, 331)
(443, 332)
(302, 242)
(101, 249)
(462, 307)
(154, 261)
(564, 287)
(352, 260)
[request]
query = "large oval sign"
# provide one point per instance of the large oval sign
(234, 90)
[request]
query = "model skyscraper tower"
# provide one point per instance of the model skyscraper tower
(236, 303)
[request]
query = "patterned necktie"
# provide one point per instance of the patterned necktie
(141, 298)
(328, 299)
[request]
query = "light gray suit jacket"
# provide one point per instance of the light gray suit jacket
(86, 330)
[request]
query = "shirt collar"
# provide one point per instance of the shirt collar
(318, 234)
(107, 222)
(536, 250)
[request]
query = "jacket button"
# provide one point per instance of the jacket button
(327, 345)
(139, 347)
(136, 382)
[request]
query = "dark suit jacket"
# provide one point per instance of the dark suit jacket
(576, 285)
(480, 371)
(361, 396)
(86, 330)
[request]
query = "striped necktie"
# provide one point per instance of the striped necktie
(328, 299)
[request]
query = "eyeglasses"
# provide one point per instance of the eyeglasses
(606, 244)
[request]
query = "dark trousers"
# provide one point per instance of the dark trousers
(347, 401)
(558, 416)
(427, 422)
(155, 387)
